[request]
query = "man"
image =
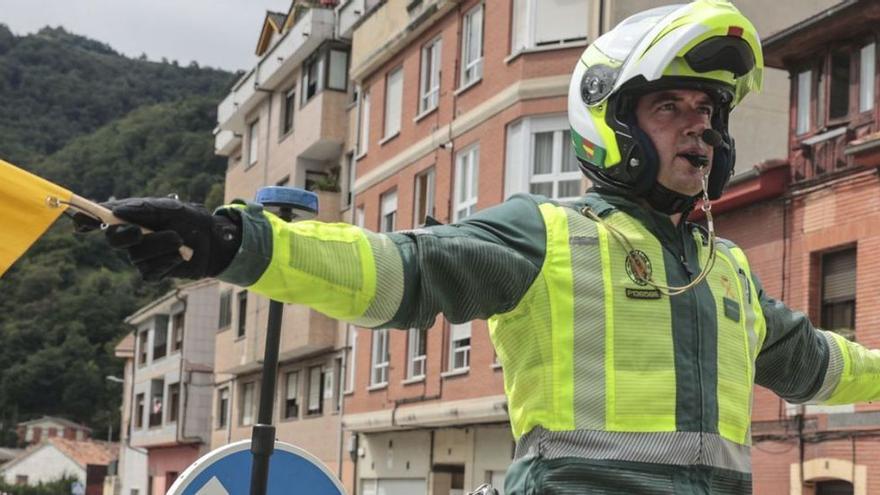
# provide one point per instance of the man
(630, 338)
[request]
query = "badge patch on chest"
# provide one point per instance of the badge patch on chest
(731, 309)
(638, 267)
(642, 293)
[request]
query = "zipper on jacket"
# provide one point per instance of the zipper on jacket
(696, 319)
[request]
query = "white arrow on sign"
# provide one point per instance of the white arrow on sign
(213, 487)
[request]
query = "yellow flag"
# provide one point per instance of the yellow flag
(29, 206)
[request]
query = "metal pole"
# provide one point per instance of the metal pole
(263, 436)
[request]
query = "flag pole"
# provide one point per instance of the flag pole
(108, 218)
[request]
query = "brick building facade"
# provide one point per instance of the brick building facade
(811, 228)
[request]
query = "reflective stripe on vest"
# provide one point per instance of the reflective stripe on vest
(589, 349)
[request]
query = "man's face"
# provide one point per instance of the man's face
(675, 120)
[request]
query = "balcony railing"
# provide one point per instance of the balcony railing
(274, 67)
(821, 155)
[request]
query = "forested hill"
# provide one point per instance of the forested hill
(101, 124)
(55, 86)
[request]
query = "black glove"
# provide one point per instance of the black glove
(214, 239)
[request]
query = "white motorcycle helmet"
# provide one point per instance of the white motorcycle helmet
(706, 45)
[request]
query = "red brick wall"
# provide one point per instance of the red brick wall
(482, 379)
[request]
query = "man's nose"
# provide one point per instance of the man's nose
(696, 121)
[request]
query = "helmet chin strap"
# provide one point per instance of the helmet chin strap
(667, 201)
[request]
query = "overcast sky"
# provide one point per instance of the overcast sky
(216, 33)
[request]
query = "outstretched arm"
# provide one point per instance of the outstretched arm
(473, 269)
(803, 364)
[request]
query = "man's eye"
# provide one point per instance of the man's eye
(706, 110)
(667, 107)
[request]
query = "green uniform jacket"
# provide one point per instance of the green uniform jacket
(612, 386)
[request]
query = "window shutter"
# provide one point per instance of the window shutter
(561, 20)
(393, 97)
(461, 331)
(389, 202)
(839, 276)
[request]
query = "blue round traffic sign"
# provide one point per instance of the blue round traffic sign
(227, 471)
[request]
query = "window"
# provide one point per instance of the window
(839, 292)
(379, 364)
(393, 99)
(338, 77)
(242, 313)
(253, 138)
(316, 390)
(834, 487)
(339, 385)
(327, 387)
(416, 348)
(157, 401)
(139, 410)
(548, 22)
(460, 346)
(289, 104)
(388, 218)
(291, 395)
(424, 204)
(804, 80)
(360, 217)
(160, 337)
(554, 170)
(540, 159)
(466, 171)
(311, 74)
(364, 140)
(472, 46)
(177, 323)
(143, 337)
(351, 173)
(327, 68)
(21, 479)
(867, 57)
(173, 402)
(225, 317)
(838, 105)
(248, 403)
(429, 88)
(222, 407)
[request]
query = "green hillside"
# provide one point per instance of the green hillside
(102, 125)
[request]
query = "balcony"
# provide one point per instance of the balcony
(274, 67)
(225, 142)
(320, 128)
(821, 156)
(349, 13)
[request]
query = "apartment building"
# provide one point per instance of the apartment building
(168, 387)
(462, 104)
(809, 226)
(285, 122)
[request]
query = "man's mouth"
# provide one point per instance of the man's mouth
(698, 160)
